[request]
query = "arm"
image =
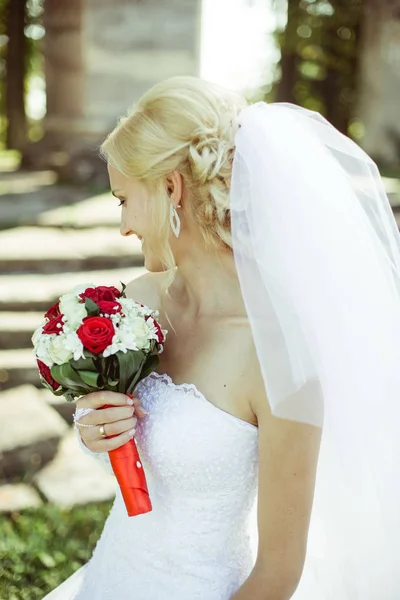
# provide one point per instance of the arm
(288, 456)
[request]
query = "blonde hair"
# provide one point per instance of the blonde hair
(184, 124)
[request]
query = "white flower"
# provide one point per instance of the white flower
(73, 310)
(116, 318)
(37, 334)
(132, 333)
(142, 332)
(58, 351)
(72, 306)
(129, 307)
(74, 344)
(42, 348)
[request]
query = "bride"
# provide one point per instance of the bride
(273, 258)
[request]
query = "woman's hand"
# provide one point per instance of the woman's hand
(118, 420)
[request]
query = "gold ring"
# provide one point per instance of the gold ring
(102, 431)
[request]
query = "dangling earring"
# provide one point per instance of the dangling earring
(174, 220)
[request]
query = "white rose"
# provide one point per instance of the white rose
(42, 348)
(137, 329)
(73, 310)
(37, 334)
(58, 351)
(129, 307)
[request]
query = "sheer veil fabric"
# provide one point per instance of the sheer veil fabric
(317, 251)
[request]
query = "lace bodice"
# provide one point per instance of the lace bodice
(201, 467)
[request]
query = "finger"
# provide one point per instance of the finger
(102, 397)
(139, 408)
(108, 415)
(119, 427)
(140, 412)
(116, 428)
(115, 442)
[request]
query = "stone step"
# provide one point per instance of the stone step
(51, 250)
(95, 210)
(18, 367)
(26, 197)
(31, 431)
(36, 293)
(16, 329)
(18, 496)
(58, 403)
(74, 477)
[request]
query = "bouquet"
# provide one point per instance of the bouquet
(95, 338)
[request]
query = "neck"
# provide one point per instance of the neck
(206, 283)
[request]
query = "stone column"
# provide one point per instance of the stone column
(64, 69)
(101, 56)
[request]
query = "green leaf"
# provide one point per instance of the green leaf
(60, 392)
(90, 378)
(92, 308)
(70, 396)
(83, 364)
(148, 366)
(129, 364)
(135, 378)
(123, 289)
(89, 354)
(65, 374)
(70, 379)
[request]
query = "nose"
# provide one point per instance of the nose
(125, 230)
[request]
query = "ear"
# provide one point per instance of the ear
(174, 183)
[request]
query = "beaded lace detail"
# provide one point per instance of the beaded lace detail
(192, 389)
(201, 465)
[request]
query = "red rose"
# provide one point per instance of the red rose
(54, 326)
(45, 372)
(96, 333)
(109, 308)
(160, 335)
(101, 292)
(54, 311)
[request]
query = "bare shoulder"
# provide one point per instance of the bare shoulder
(146, 288)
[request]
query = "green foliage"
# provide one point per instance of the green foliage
(34, 33)
(40, 548)
(320, 54)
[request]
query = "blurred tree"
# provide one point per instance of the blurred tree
(15, 74)
(341, 58)
(320, 47)
(20, 56)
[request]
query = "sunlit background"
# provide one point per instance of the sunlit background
(342, 59)
(68, 69)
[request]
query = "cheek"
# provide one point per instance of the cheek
(136, 214)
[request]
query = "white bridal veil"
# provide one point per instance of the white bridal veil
(317, 251)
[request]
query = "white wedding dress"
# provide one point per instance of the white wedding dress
(199, 541)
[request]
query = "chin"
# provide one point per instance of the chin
(153, 264)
